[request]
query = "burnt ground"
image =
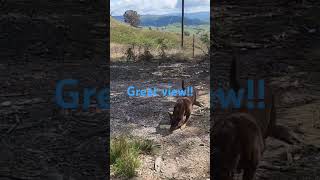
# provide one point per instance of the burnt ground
(42, 42)
(279, 43)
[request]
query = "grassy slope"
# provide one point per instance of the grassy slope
(122, 33)
(191, 29)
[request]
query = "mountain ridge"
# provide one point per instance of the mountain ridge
(167, 19)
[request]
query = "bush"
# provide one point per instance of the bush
(146, 56)
(130, 54)
(205, 39)
(163, 44)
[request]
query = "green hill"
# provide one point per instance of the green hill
(176, 28)
(122, 33)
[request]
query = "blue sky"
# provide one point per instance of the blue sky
(158, 7)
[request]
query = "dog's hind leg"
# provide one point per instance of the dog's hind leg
(185, 121)
(197, 103)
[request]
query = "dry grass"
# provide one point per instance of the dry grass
(124, 155)
(124, 36)
(117, 52)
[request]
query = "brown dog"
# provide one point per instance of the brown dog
(182, 110)
(239, 139)
(266, 117)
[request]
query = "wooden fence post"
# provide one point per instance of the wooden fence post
(193, 46)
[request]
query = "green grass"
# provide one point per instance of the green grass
(176, 28)
(122, 33)
(144, 146)
(124, 155)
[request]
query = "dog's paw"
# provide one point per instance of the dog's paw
(183, 126)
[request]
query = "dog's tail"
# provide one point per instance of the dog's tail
(234, 74)
(194, 95)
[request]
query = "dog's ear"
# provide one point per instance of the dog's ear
(170, 115)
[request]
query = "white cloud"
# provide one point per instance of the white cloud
(118, 7)
(193, 3)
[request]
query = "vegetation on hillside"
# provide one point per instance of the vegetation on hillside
(165, 20)
(122, 33)
(197, 30)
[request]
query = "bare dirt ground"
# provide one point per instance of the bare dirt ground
(42, 42)
(280, 44)
(184, 154)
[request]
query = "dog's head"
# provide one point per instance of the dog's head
(175, 121)
(176, 117)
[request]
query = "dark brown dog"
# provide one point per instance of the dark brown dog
(266, 117)
(182, 110)
(239, 139)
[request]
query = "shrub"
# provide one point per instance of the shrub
(163, 44)
(205, 39)
(130, 54)
(146, 56)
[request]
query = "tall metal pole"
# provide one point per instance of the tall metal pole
(182, 24)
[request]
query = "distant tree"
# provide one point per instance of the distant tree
(186, 33)
(150, 28)
(132, 17)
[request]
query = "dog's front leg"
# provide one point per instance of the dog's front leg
(185, 121)
(183, 126)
